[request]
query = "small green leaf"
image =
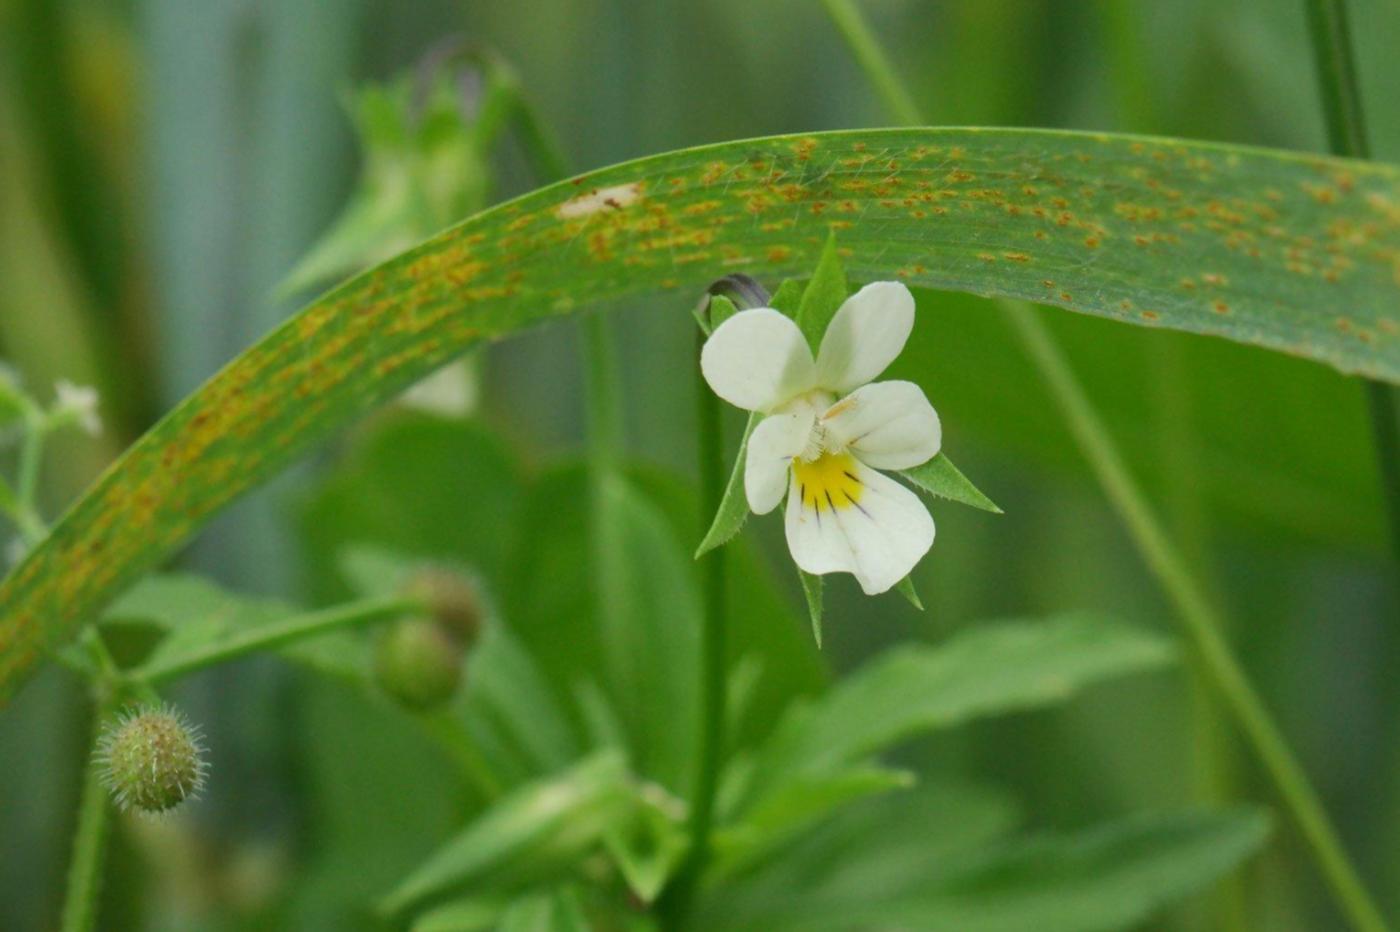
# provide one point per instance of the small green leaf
(905, 587)
(788, 296)
(940, 477)
(734, 504)
(536, 832)
(812, 588)
(824, 295)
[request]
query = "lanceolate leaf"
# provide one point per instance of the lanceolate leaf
(1295, 253)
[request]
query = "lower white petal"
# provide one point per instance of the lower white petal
(772, 445)
(843, 516)
(887, 425)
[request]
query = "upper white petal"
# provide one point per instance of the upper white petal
(772, 445)
(887, 425)
(867, 333)
(879, 541)
(757, 359)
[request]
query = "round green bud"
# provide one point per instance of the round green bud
(450, 598)
(152, 760)
(418, 662)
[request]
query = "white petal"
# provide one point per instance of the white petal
(887, 425)
(814, 538)
(772, 445)
(757, 359)
(879, 536)
(865, 336)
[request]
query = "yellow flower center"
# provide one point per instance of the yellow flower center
(828, 482)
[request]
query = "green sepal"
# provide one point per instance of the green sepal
(940, 477)
(824, 295)
(733, 508)
(905, 587)
(812, 589)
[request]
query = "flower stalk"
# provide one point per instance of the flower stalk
(89, 842)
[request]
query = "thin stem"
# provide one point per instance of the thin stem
(89, 842)
(602, 396)
(712, 647)
(31, 454)
(449, 732)
(873, 61)
(1199, 618)
(269, 637)
(1346, 135)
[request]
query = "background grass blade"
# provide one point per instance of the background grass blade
(1294, 253)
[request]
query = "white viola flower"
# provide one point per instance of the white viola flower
(78, 404)
(829, 429)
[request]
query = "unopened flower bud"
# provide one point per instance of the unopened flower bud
(418, 662)
(451, 599)
(152, 760)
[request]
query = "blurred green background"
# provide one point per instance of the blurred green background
(165, 163)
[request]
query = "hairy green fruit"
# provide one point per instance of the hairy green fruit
(419, 663)
(152, 760)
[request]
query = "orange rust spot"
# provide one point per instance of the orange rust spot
(1017, 256)
(1066, 296)
(1092, 242)
(779, 254)
(1150, 315)
(1220, 307)
(986, 257)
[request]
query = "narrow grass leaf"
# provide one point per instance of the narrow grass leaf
(1291, 252)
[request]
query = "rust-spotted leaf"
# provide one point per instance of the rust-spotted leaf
(1295, 253)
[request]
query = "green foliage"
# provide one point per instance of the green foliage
(990, 669)
(927, 864)
(1137, 216)
(533, 835)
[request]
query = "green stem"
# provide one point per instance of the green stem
(873, 61)
(31, 455)
(712, 646)
(89, 842)
(1346, 135)
(449, 732)
(1199, 618)
(270, 637)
